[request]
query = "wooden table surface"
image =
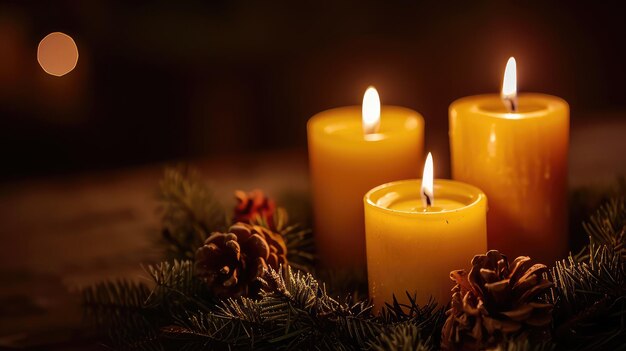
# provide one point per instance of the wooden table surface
(60, 233)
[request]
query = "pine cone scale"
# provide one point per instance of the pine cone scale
(500, 291)
(536, 290)
(520, 314)
(520, 265)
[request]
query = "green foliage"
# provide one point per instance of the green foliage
(590, 299)
(402, 337)
(293, 313)
(296, 311)
(119, 307)
(299, 240)
(584, 202)
(590, 290)
(190, 212)
(608, 225)
(132, 313)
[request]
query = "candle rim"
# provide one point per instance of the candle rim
(352, 113)
(552, 103)
(477, 195)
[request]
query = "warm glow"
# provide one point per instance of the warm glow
(371, 111)
(427, 182)
(57, 54)
(509, 84)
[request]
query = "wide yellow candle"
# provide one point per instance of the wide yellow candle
(412, 247)
(350, 153)
(518, 157)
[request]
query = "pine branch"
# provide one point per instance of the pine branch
(177, 290)
(134, 333)
(120, 309)
(176, 277)
(190, 212)
(590, 300)
(299, 240)
(295, 312)
(131, 313)
(429, 319)
(402, 337)
(297, 308)
(608, 225)
(590, 288)
(584, 202)
(300, 247)
(106, 301)
(233, 326)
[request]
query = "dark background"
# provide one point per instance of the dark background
(166, 80)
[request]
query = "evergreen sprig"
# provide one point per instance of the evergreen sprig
(190, 212)
(402, 337)
(590, 289)
(299, 240)
(590, 299)
(295, 311)
(119, 308)
(132, 313)
(608, 225)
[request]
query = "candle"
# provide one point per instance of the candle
(351, 150)
(514, 147)
(417, 234)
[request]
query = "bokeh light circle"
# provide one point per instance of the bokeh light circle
(57, 54)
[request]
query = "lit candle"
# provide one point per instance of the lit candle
(351, 150)
(418, 232)
(514, 147)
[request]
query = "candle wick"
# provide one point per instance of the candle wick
(429, 201)
(511, 103)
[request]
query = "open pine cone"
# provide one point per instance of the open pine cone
(253, 206)
(496, 300)
(231, 263)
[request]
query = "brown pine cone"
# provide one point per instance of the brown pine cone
(231, 263)
(253, 206)
(496, 300)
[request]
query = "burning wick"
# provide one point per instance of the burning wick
(511, 104)
(427, 183)
(426, 197)
(509, 85)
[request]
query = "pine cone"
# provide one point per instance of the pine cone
(495, 301)
(253, 206)
(231, 263)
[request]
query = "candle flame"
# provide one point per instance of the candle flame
(427, 182)
(371, 111)
(509, 85)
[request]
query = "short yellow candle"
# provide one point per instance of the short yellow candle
(517, 154)
(349, 153)
(413, 246)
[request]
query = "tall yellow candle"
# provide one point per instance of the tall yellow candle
(351, 150)
(413, 245)
(515, 149)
